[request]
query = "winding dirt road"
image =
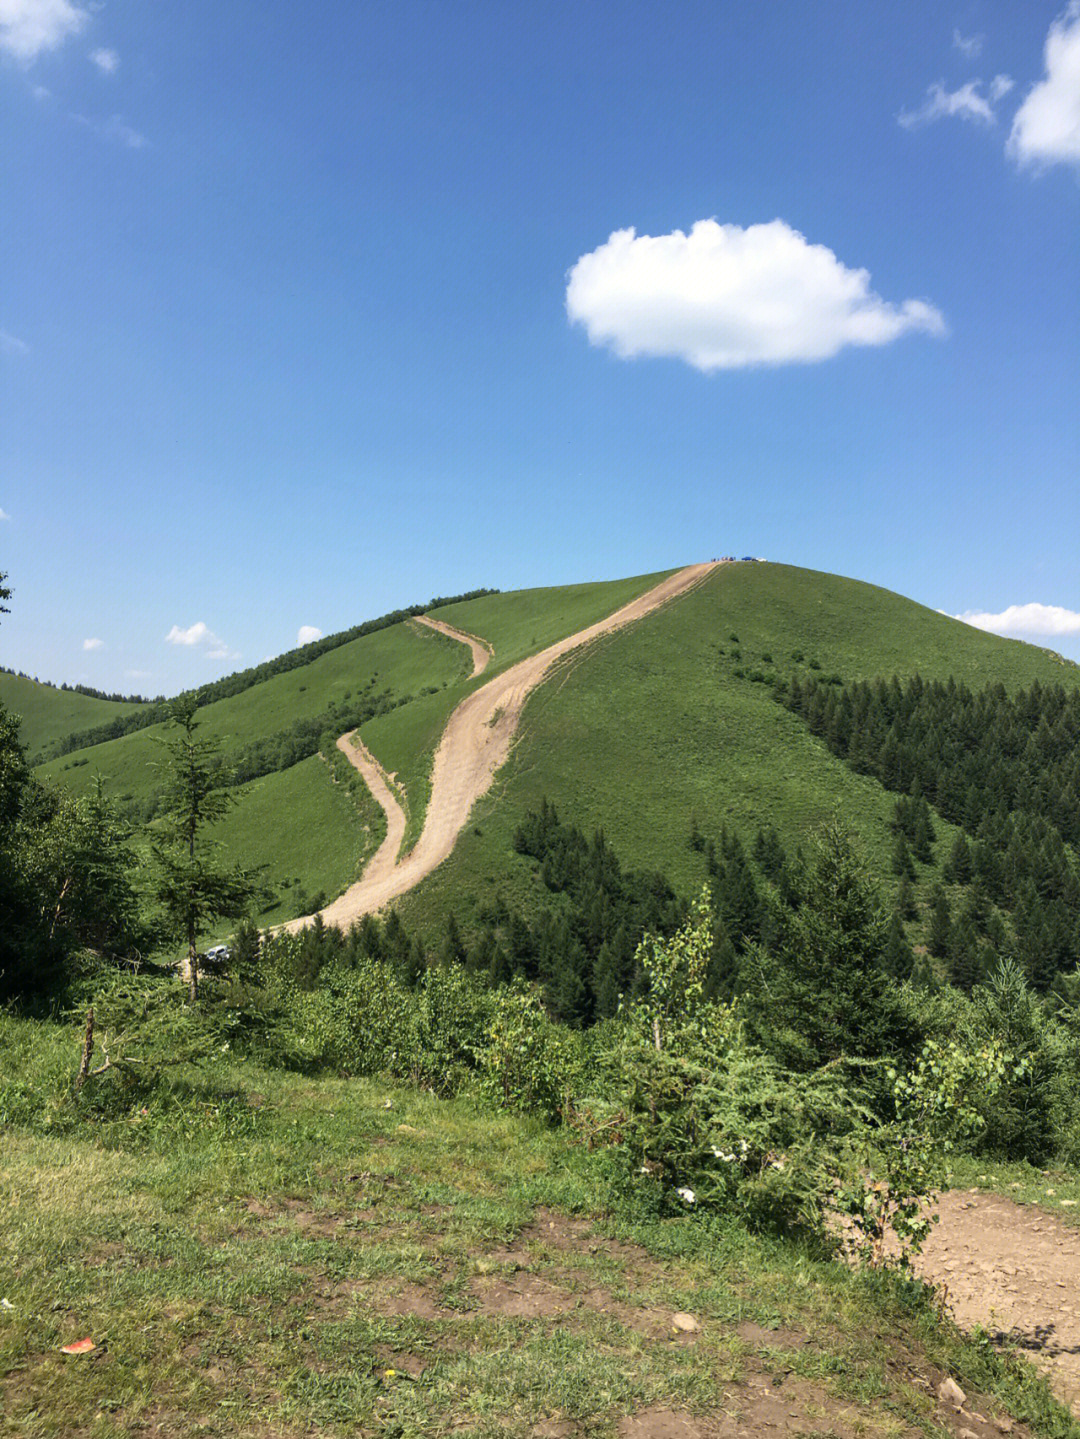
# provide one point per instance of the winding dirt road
(474, 745)
(381, 864)
(481, 650)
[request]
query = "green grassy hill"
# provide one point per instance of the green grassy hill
(515, 625)
(661, 725)
(397, 662)
(646, 732)
(49, 713)
(309, 834)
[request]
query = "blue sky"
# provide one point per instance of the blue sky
(309, 314)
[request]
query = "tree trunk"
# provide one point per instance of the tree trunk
(193, 968)
(193, 958)
(87, 1050)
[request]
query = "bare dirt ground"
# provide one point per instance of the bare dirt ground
(1015, 1270)
(481, 650)
(475, 744)
(381, 864)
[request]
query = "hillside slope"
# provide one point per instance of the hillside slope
(305, 830)
(661, 726)
(48, 713)
(645, 733)
(474, 746)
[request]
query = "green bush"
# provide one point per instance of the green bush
(528, 1062)
(709, 1121)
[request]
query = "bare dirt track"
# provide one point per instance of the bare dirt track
(481, 650)
(1015, 1270)
(381, 864)
(475, 743)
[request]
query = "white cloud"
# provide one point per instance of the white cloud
(4, 515)
(40, 92)
(306, 634)
(199, 635)
(28, 27)
(724, 298)
(1046, 130)
(114, 128)
(970, 46)
(196, 634)
(138, 674)
(1033, 619)
(94, 644)
(967, 103)
(12, 345)
(107, 61)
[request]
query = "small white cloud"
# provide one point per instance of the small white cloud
(114, 128)
(1032, 619)
(306, 634)
(138, 674)
(4, 515)
(29, 27)
(107, 61)
(967, 103)
(12, 345)
(970, 46)
(725, 298)
(41, 92)
(1046, 129)
(199, 635)
(196, 634)
(94, 644)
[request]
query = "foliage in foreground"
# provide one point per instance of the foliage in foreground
(690, 1111)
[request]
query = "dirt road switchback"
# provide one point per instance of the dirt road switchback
(475, 743)
(481, 650)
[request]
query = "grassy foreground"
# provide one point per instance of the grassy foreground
(266, 1254)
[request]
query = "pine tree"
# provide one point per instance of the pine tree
(906, 905)
(191, 890)
(828, 993)
(452, 950)
(965, 966)
(923, 835)
(899, 958)
(958, 866)
(940, 923)
(246, 946)
(902, 863)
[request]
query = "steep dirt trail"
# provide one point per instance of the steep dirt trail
(1015, 1270)
(475, 743)
(381, 864)
(481, 650)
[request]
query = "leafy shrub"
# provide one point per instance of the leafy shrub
(937, 1109)
(528, 1062)
(707, 1120)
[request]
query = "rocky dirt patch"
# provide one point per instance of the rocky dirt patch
(1013, 1270)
